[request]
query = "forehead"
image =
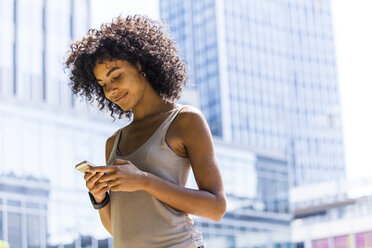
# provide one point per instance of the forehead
(102, 67)
(105, 65)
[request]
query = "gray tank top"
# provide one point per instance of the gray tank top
(140, 220)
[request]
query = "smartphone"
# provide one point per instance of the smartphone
(83, 166)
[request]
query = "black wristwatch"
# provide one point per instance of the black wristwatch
(99, 205)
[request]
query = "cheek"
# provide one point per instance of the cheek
(139, 88)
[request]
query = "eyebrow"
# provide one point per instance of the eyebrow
(109, 72)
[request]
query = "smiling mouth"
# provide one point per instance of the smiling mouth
(120, 98)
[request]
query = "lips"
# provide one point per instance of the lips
(120, 98)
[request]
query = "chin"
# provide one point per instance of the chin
(125, 108)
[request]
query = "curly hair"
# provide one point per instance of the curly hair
(134, 39)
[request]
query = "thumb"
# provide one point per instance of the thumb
(120, 161)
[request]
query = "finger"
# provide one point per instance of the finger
(120, 161)
(97, 176)
(109, 177)
(101, 191)
(92, 181)
(92, 178)
(115, 188)
(113, 183)
(97, 188)
(106, 169)
(100, 185)
(88, 175)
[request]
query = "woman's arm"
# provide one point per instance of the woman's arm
(209, 201)
(104, 214)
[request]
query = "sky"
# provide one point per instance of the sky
(353, 43)
(105, 10)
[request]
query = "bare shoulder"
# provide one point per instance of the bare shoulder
(110, 143)
(191, 120)
(190, 114)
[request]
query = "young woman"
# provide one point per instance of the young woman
(132, 67)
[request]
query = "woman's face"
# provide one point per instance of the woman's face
(123, 83)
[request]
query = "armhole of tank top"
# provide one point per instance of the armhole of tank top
(114, 147)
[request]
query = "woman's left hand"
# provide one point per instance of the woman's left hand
(121, 176)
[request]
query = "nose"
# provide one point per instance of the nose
(111, 91)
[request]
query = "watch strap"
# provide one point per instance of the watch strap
(101, 204)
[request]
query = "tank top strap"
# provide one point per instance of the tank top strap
(164, 126)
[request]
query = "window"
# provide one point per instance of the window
(15, 229)
(33, 231)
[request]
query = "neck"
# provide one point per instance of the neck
(150, 104)
(153, 106)
(153, 112)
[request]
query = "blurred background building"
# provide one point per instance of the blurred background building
(336, 214)
(44, 132)
(23, 210)
(267, 77)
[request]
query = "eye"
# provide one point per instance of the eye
(117, 77)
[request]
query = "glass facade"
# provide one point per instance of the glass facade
(266, 77)
(38, 34)
(194, 26)
(24, 210)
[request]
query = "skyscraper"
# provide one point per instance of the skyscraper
(266, 76)
(37, 34)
